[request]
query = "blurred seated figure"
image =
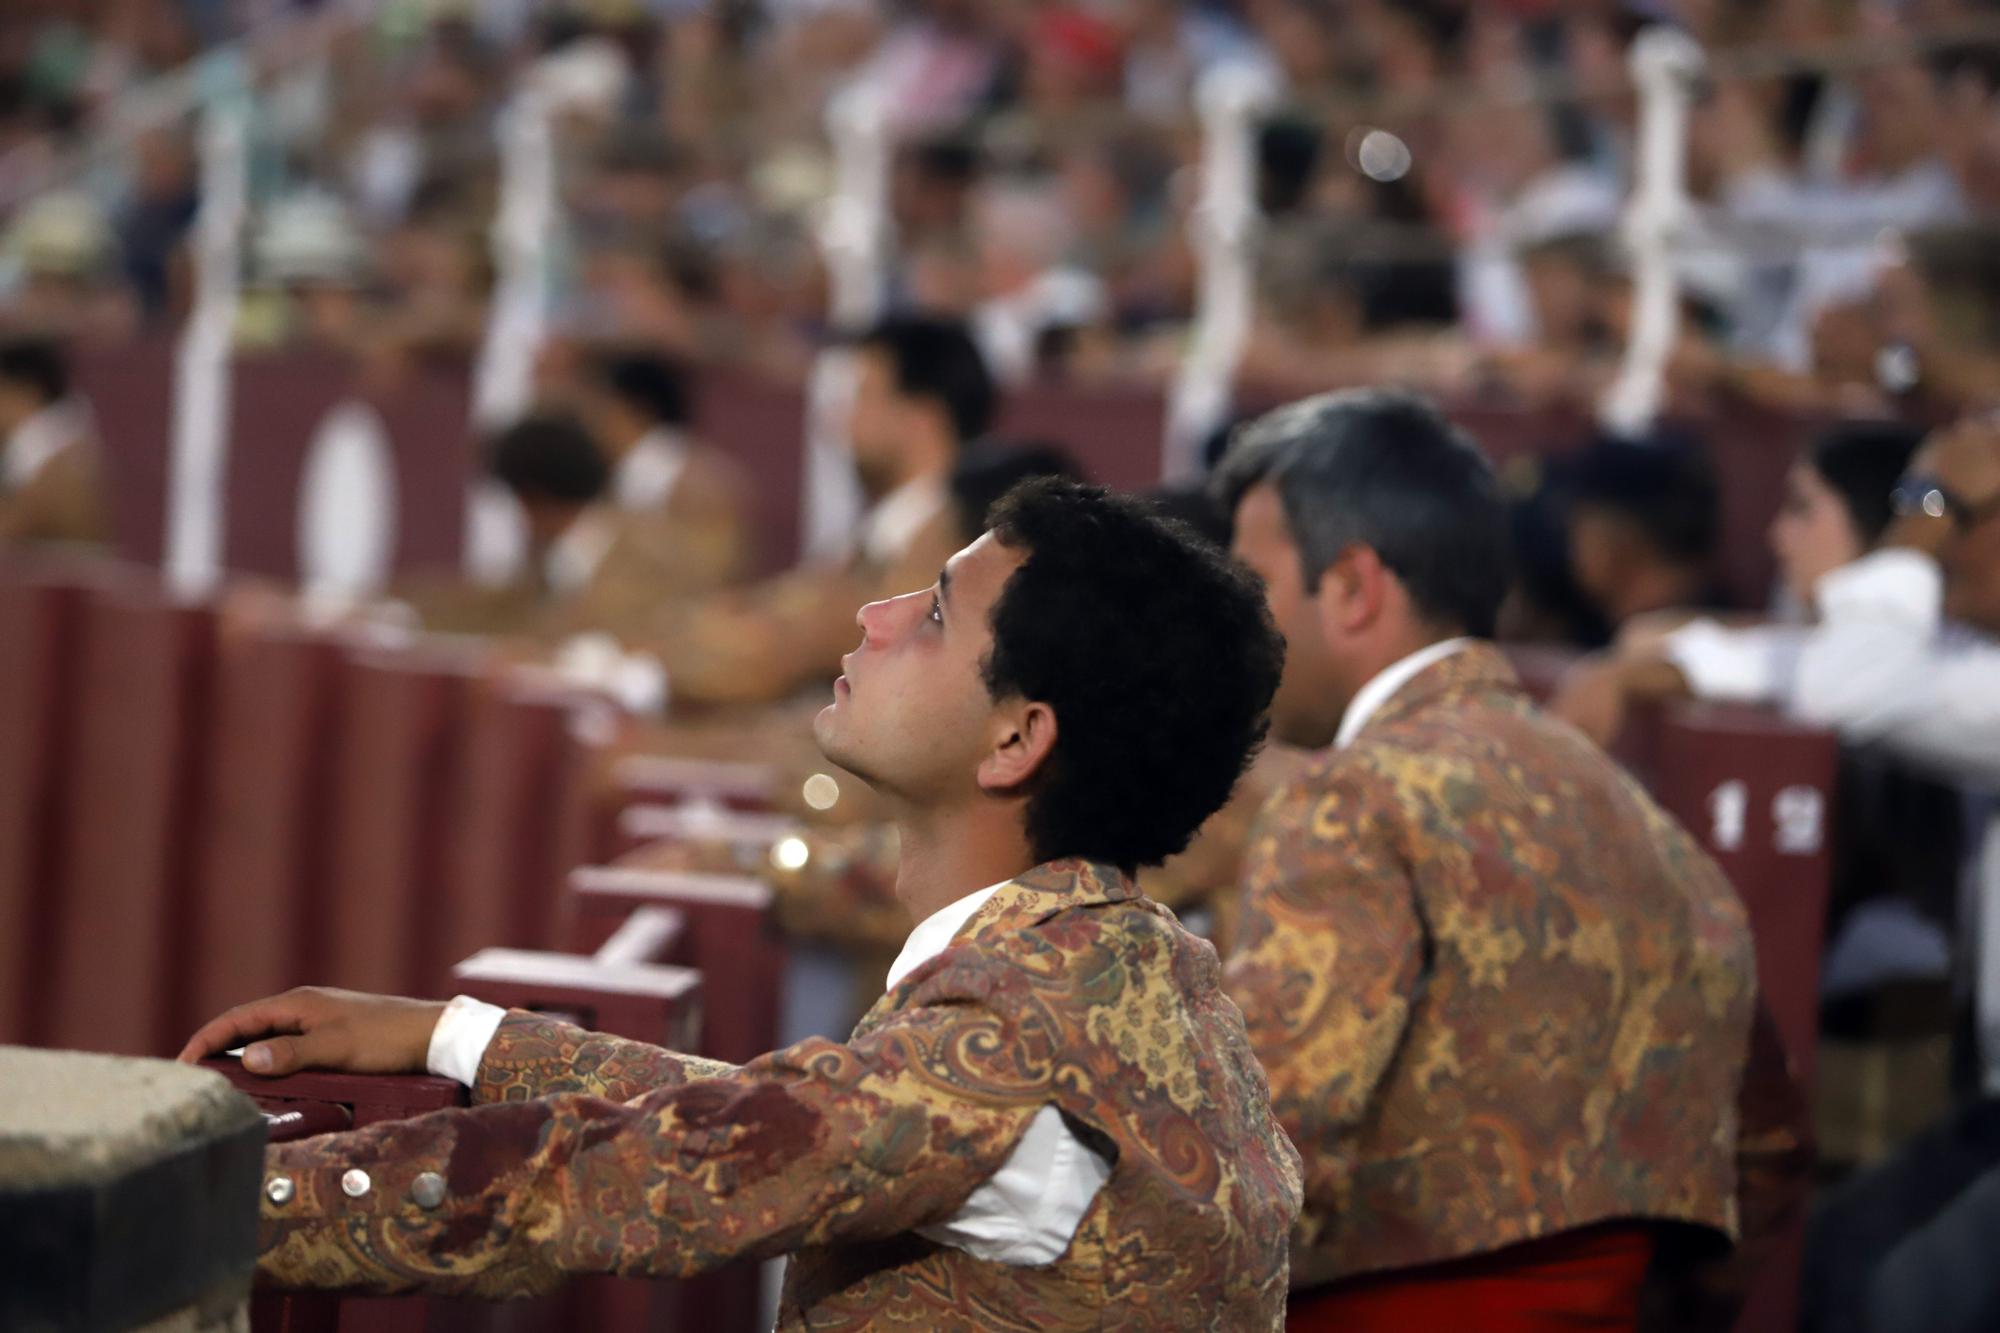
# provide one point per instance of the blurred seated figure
(671, 490)
(554, 471)
(51, 472)
(1836, 508)
(1644, 522)
(922, 393)
(58, 271)
(1905, 659)
(1893, 913)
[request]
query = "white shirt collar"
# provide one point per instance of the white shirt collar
(39, 438)
(649, 470)
(895, 521)
(1369, 699)
(935, 933)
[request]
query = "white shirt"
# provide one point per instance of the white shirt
(649, 471)
(1368, 700)
(40, 438)
(1883, 667)
(895, 521)
(1750, 664)
(1025, 1213)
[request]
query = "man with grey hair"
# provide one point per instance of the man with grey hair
(1506, 1004)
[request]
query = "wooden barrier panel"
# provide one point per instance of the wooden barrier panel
(761, 423)
(263, 870)
(508, 849)
(396, 777)
(280, 399)
(750, 834)
(1115, 432)
(39, 615)
(1757, 791)
(118, 972)
(664, 780)
(653, 1002)
(730, 939)
(130, 388)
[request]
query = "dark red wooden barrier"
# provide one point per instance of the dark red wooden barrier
(140, 752)
(263, 879)
(40, 610)
(730, 939)
(396, 782)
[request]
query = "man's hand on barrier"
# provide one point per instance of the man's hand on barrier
(316, 1028)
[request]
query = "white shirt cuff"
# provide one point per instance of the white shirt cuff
(460, 1039)
(1899, 586)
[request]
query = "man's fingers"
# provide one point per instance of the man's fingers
(278, 1055)
(245, 1020)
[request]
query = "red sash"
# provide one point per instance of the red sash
(1575, 1280)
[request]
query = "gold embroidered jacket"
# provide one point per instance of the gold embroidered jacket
(1499, 993)
(584, 1153)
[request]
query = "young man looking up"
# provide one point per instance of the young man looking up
(1052, 1120)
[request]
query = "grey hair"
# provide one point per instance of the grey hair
(1382, 468)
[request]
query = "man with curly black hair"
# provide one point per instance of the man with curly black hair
(1051, 1121)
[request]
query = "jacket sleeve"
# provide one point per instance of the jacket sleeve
(532, 1055)
(1328, 956)
(813, 1144)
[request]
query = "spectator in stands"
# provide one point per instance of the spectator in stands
(153, 226)
(1644, 522)
(922, 393)
(51, 472)
(1892, 915)
(1887, 666)
(554, 469)
(1067, 702)
(58, 253)
(1449, 927)
(681, 494)
(1835, 510)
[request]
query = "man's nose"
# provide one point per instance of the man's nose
(874, 621)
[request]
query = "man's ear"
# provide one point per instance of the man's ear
(1352, 591)
(1026, 736)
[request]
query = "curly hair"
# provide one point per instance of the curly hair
(1156, 652)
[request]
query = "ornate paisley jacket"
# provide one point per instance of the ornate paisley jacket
(1499, 993)
(588, 1154)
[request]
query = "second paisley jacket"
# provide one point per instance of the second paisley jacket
(1499, 993)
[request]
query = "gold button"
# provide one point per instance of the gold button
(355, 1183)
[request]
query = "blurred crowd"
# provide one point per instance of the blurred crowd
(1441, 183)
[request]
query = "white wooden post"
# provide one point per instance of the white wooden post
(199, 460)
(496, 536)
(1665, 63)
(1224, 229)
(854, 237)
